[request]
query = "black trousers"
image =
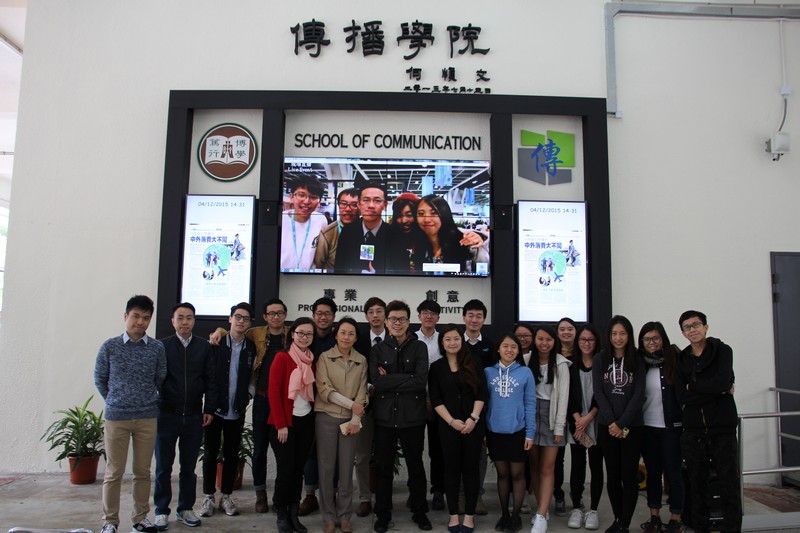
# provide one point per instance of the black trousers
(622, 466)
(290, 458)
(435, 455)
(461, 454)
(558, 481)
(412, 442)
(712, 464)
(577, 476)
(229, 431)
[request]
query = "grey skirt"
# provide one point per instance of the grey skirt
(544, 435)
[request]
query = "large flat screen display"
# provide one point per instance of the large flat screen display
(553, 261)
(403, 217)
(217, 252)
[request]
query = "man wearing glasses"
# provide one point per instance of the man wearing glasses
(347, 207)
(704, 382)
(301, 225)
(398, 369)
(362, 244)
(234, 358)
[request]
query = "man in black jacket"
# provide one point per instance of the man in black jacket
(704, 385)
(398, 369)
(362, 243)
(233, 360)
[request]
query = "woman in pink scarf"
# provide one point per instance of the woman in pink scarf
(291, 419)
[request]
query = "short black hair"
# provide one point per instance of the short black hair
(474, 305)
(140, 301)
(398, 305)
(324, 301)
(244, 306)
(372, 184)
(352, 191)
(686, 315)
(429, 305)
(273, 301)
(309, 183)
(372, 301)
(346, 320)
(187, 305)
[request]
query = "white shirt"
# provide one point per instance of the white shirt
(432, 343)
(299, 240)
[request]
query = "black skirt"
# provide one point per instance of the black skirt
(507, 447)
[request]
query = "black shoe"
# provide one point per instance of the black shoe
(421, 519)
(502, 524)
(613, 528)
(654, 525)
(675, 526)
(437, 502)
(514, 524)
(561, 508)
(295, 521)
(381, 525)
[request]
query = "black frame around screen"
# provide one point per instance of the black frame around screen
(274, 104)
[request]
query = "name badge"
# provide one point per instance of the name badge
(367, 252)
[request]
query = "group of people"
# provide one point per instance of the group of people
(420, 231)
(329, 395)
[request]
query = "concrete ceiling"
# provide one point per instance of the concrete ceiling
(12, 30)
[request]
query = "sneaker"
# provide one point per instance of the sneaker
(480, 507)
(208, 506)
(189, 518)
(109, 528)
(514, 524)
(226, 504)
(575, 519)
(653, 525)
(675, 526)
(162, 522)
(591, 520)
(546, 517)
(309, 505)
(145, 526)
(539, 524)
(561, 508)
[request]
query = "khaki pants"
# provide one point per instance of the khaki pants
(118, 434)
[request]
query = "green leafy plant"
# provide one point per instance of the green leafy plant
(79, 433)
(245, 446)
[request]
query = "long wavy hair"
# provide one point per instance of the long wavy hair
(467, 366)
(533, 364)
(670, 354)
(449, 234)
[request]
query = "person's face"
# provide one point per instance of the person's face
(474, 320)
(508, 351)
(183, 321)
(452, 342)
(376, 316)
(348, 208)
(544, 342)
(239, 321)
(303, 336)
(345, 337)
(397, 324)
(525, 338)
(694, 330)
(275, 316)
(303, 202)
(406, 219)
(371, 204)
(137, 321)
(619, 338)
(428, 318)
(652, 341)
(587, 343)
(566, 333)
(428, 219)
(323, 317)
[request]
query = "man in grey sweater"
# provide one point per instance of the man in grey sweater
(129, 371)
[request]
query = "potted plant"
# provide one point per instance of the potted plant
(80, 436)
(245, 456)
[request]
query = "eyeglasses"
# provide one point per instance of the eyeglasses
(241, 318)
(273, 314)
(300, 195)
(397, 320)
(304, 335)
(323, 314)
(348, 205)
(651, 340)
(428, 313)
(524, 336)
(587, 341)
(690, 327)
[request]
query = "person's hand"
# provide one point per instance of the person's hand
(358, 409)
(581, 423)
(352, 429)
(214, 339)
(469, 425)
(471, 239)
(283, 435)
(381, 371)
(457, 424)
(578, 435)
(615, 431)
(207, 420)
(558, 438)
(528, 444)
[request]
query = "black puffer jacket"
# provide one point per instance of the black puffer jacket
(400, 395)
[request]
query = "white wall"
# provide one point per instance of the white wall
(696, 205)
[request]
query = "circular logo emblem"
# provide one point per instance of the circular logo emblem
(227, 152)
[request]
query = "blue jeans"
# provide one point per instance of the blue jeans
(661, 451)
(260, 442)
(187, 432)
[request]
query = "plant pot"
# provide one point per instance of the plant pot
(86, 471)
(237, 481)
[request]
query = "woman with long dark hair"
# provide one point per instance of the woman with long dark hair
(618, 377)
(291, 419)
(341, 399)
(446, 242)
(405, 241)
(551, 373)
(457, 389)
(582, 420)
(661, 443)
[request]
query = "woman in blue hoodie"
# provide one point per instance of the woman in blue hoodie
(510, 426)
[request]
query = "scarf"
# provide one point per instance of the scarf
(301, 380)
(653, 359)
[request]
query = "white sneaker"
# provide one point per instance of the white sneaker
(591, 520)
(228, 506)
(539, 524)
(189, 518)
(162, 522)
(208, 506)
(575, 519)
(109, 528)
